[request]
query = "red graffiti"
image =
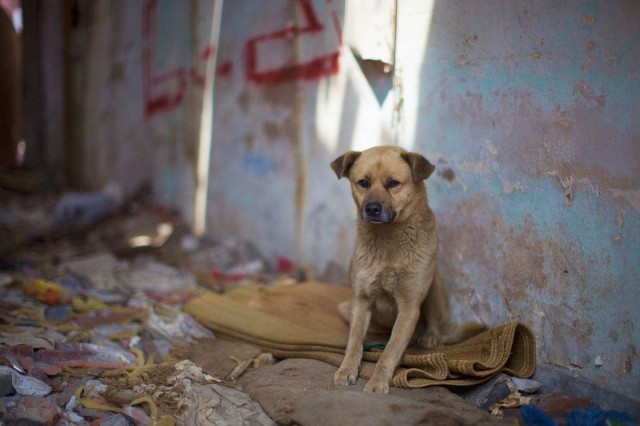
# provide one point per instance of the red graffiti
(313, 69)
(166, 91)
(224, 69)
(154, 102)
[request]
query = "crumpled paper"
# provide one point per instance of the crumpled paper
(26, 385)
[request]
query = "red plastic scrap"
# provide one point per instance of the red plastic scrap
(234, 277)
(136, 413)
(36, 409)
(42, 372)
(237, 277)
(24, 356)
(557, 403)
(122, 315)
(285, 265)
(100, 353)
(83, 355)
(18, 351)
(61, 357)
(171, 298)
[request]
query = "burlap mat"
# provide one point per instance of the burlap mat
(302, 321)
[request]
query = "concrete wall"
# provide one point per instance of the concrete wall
(529, 110)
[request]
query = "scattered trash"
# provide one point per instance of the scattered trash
(532, 415)
(174, 325)
(526, 385)
(32, 410)
(5, 279)
(264, 358)
(87, 325)
(148, 274)
(219, 405)
(188, 370)
(189, 243)
(488, 393)
(229, 264)
(98, 269)
(58, 312)
(594, 416)
(6, 383)
(25, 385)
(514, 400)
(48, 292)
(32, 337)
(81, 209)
(598, 361)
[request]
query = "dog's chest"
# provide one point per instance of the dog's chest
(382, 281)
(389, 279)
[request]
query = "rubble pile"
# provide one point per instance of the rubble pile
(91, 311)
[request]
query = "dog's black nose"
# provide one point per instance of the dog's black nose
(373, 210)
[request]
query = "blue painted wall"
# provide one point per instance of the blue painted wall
(531, 112)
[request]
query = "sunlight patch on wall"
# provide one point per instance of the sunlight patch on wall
(414, 17)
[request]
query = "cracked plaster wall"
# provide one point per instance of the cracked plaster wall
(531, 112)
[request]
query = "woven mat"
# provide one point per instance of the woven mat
(302, 321)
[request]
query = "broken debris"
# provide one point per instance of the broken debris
(87, 325)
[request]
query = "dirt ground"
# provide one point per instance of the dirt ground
(92, 331)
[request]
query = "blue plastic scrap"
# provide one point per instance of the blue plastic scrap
(595, 416)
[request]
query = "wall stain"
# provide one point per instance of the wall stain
(628, 361)
(586, 90)
(565, 144)
(244, 100)
(271, 131)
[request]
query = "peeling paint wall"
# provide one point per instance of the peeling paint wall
(529, 110)
(294, 98)
(136, 76)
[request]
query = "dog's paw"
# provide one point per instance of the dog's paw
(377, 386)
(345, 376)
(429, 341)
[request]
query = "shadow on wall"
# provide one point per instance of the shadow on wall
(10, 93)
(264, 134)
(528, 110)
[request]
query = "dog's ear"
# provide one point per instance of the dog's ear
(421, 168)
(342, 164)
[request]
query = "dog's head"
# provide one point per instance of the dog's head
(385, 180)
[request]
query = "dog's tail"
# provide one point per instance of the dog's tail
(460, 332)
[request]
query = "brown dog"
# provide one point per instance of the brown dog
(393, 269)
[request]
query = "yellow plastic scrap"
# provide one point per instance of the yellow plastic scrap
(140, 357)
(105, 406)
(46, 291)
(89, 304)
(124, 335)
(132, 373)
(514, 400)
(95, 405)
(153, 408)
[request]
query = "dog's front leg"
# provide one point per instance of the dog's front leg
(347, 374)
(408, 315)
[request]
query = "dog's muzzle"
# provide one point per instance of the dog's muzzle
(375, 213)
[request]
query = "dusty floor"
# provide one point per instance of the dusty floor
(92, 332)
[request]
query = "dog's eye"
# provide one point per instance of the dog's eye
(363, 183)
(392, 184)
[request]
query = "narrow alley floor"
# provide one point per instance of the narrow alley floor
(93, 331)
